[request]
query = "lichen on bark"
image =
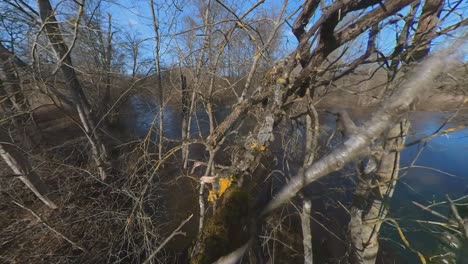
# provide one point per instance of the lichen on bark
(227, 229)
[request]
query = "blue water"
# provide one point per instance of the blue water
(442, 169)
(145, 118)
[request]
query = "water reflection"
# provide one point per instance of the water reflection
(145, 117)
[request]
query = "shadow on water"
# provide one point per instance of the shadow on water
(439, 168)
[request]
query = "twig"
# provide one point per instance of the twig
(430, 210)
(436, 134)
(445, 225)
(50, 227)
(432, 169)
(461, 222)
(421, 257)
(173, 234)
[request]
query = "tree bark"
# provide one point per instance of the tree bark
(157, 61)
(311, 143)
(185, 115)
(428, 21)
(108, 67)
(365, 222)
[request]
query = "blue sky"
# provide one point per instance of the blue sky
(135, 17)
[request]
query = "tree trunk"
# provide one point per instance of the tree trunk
(306, 231)
(185, 115)
(108, 67)
(427, 23)
(370, 205)
(311, 143)
(81, 104)
(157, 61)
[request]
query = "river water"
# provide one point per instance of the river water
(430, 171)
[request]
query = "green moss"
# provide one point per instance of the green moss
(225, 231)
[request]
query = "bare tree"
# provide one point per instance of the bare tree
(78, 98)
(157, 61)
(371, 203)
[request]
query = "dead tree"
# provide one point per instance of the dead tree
(311, 142)
(106, 98)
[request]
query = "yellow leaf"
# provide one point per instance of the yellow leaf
(262, 148)
(282, 80)
(212, 196)
(224, 184)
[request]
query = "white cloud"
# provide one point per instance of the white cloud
(132, 22)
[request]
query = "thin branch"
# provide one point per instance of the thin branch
(436, 134)
(462, 224)
(430, 210)
(173, 234)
